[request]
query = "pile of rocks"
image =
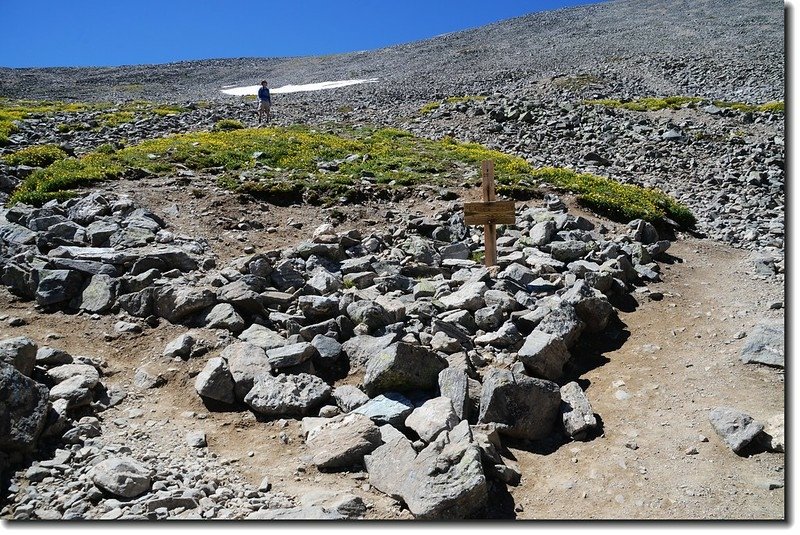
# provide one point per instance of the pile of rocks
(47, 395)
(98, 255)
(451, 356)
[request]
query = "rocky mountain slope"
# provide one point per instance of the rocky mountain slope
(173, 348)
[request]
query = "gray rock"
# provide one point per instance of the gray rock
(73, 391)
(527, 407)
(349, 397)
(246, 363)
(453, 384)
(576, 411)
(643, 232)
(592, 307)
(567, 251)
(224, 316)
(402, 367)
(262, 337)
(346, 504)
(99, 296)
(735, 427)
(176, 304)
(506, 336)
(196, 439)
(456, 250)
(765, 345)
(432, 417)
(489, 318)
(48, 356)
(89, 374)
(343, 441)
(146, 378)
(369, 313)
(215, 381)
(288, 395)
(564, 323)
(19, 352)
(296, 513)
(544, 355)
(180, 347)
(326, 347)
(445, 481)
(468, 297)
(391, 408)
(325, 282)
(290, 355)
(24, 404)
(317, 308)
(121, 476)
(241, 296)
(518, 274)
(542, 233)
(360, 349)
(57, 286)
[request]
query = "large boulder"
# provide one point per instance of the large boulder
(99, 296)
(290, 355)
(57, 286)
(121, 476)
(591, 306)
(19, 352)
(349, 397)
(527, 408)
(215, 381)
(402, 367)
(563, 322)
(343, 441)
(23, 410)
(369, 313)
(287, 395)
(468, 297)
(454, 384)
(445, 481)
(359, 349)
(224, 316)
(432, 417)
(544, 355)
(176, 304)
(246, 362)
(262, 337)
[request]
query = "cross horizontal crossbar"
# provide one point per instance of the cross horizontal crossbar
(489, 213)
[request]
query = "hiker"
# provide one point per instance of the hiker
(264, 101)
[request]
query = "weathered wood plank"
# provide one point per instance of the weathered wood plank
(489, 213)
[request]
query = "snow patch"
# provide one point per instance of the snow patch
(253, 89)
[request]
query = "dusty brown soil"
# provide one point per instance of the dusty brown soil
(677, 358)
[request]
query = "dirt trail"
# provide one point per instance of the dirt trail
(653, 393)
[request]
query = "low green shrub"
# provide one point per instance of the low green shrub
(36, 156)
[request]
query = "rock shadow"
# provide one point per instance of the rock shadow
(500, 505)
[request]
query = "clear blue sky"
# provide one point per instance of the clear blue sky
(52, 33)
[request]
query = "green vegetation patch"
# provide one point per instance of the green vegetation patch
(677, 102)
(616, 200)
(226, 125)
(36, 156)
(280, 163)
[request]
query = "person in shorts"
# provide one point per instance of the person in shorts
(264, 101)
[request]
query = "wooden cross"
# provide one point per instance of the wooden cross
(489, 213)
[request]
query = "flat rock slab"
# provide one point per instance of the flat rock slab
(343, 442)
(287, 395)
(262, 337)
(765, 345)
(390, 408)
(736, 428)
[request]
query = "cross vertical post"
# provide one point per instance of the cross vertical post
(490, 230)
